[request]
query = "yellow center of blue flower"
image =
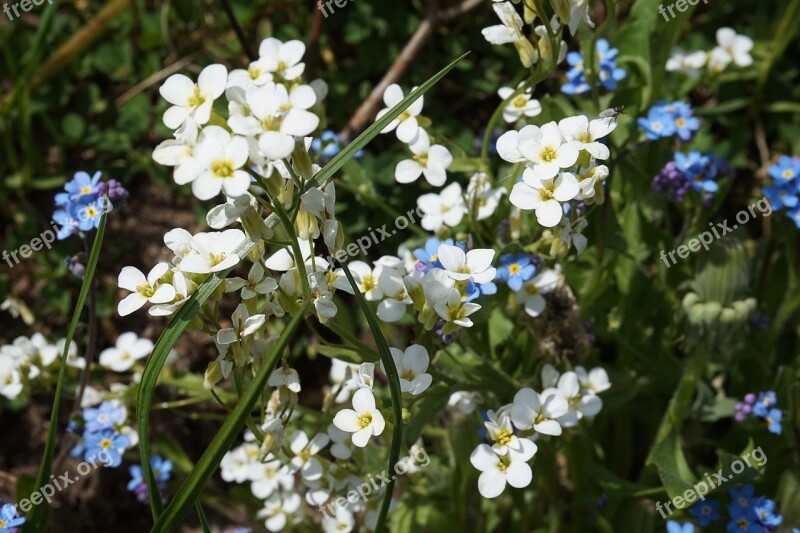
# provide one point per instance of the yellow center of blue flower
(788, 173)
(680, 122)
(105, 443)
(86, 189)
(514, 269)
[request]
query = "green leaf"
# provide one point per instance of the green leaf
(427, 411)
(33, 520)
(202, 517)
(197, 479)
(394, 388)
(671, 464)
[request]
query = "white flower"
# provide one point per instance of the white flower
(219, 162)
(579, 11)
(520, 105)
(732, 48)
(482, 200)
(464, 401)
(497, 470)
(244, 325)
(579, 405)
(455, 311)
(269, 477)
(304, 460)
(341, 375)
(510, 31)
(533, 289)
(181, 285)
(406, 124)
(342, 447)
(508, 143)
(180, 242)
(549, 376)
(281, 58)
(129, 348)
(193, 100)
(364, 421)
(10, 378)
(396, 298)
(277, 117)
(364, 377)
(411, 365)
(257, 282)
(284, 377)
(213, 252)
(548, 151)
(341, 522)
(366, 279)
(584, 134)
(179, 152)
(444, 209)
(278, 508)
(143, 289)
(430, 161)
(540, 412)
(475, 265)
(689, 64)
(499, 430)
(544, 196)
(236, 464)
(595, 382)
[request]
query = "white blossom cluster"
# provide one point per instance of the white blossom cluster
(27, 361)
(565, 400)
(732, 48)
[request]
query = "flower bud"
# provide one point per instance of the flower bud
(722, 273)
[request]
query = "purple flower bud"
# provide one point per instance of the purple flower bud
(750, 398)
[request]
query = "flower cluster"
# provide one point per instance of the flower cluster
(162, 472)
(731, 48)
(784, 191)
(83, 202)
(565, 400)
(28, 362)
(693, 171)
(763, 408)
(560, 161)
(105, 436)
(427, 160)
(668, 119)
(540, 43)
(607, 75)
(521, 105)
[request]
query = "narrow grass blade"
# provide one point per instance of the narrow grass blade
(193, 485)
(394, 390)
(184, 316)
(34, 518)
(202, 517)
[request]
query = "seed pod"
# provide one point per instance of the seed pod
(722, 273)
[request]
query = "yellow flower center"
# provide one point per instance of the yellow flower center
(368, 282)
(146, 290)
(364, 420)
(197, 99)
(585, 137)
(222, 169)
(520, 101)
(548, 154)
(531, 289)
(254, 72)
(216, 259)
(422, 159)
(503, 436)
(514, 269)
(788, 173)
(91, 211)
(680, 122)
(105, 443)
(408, 375)
(86, 190)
